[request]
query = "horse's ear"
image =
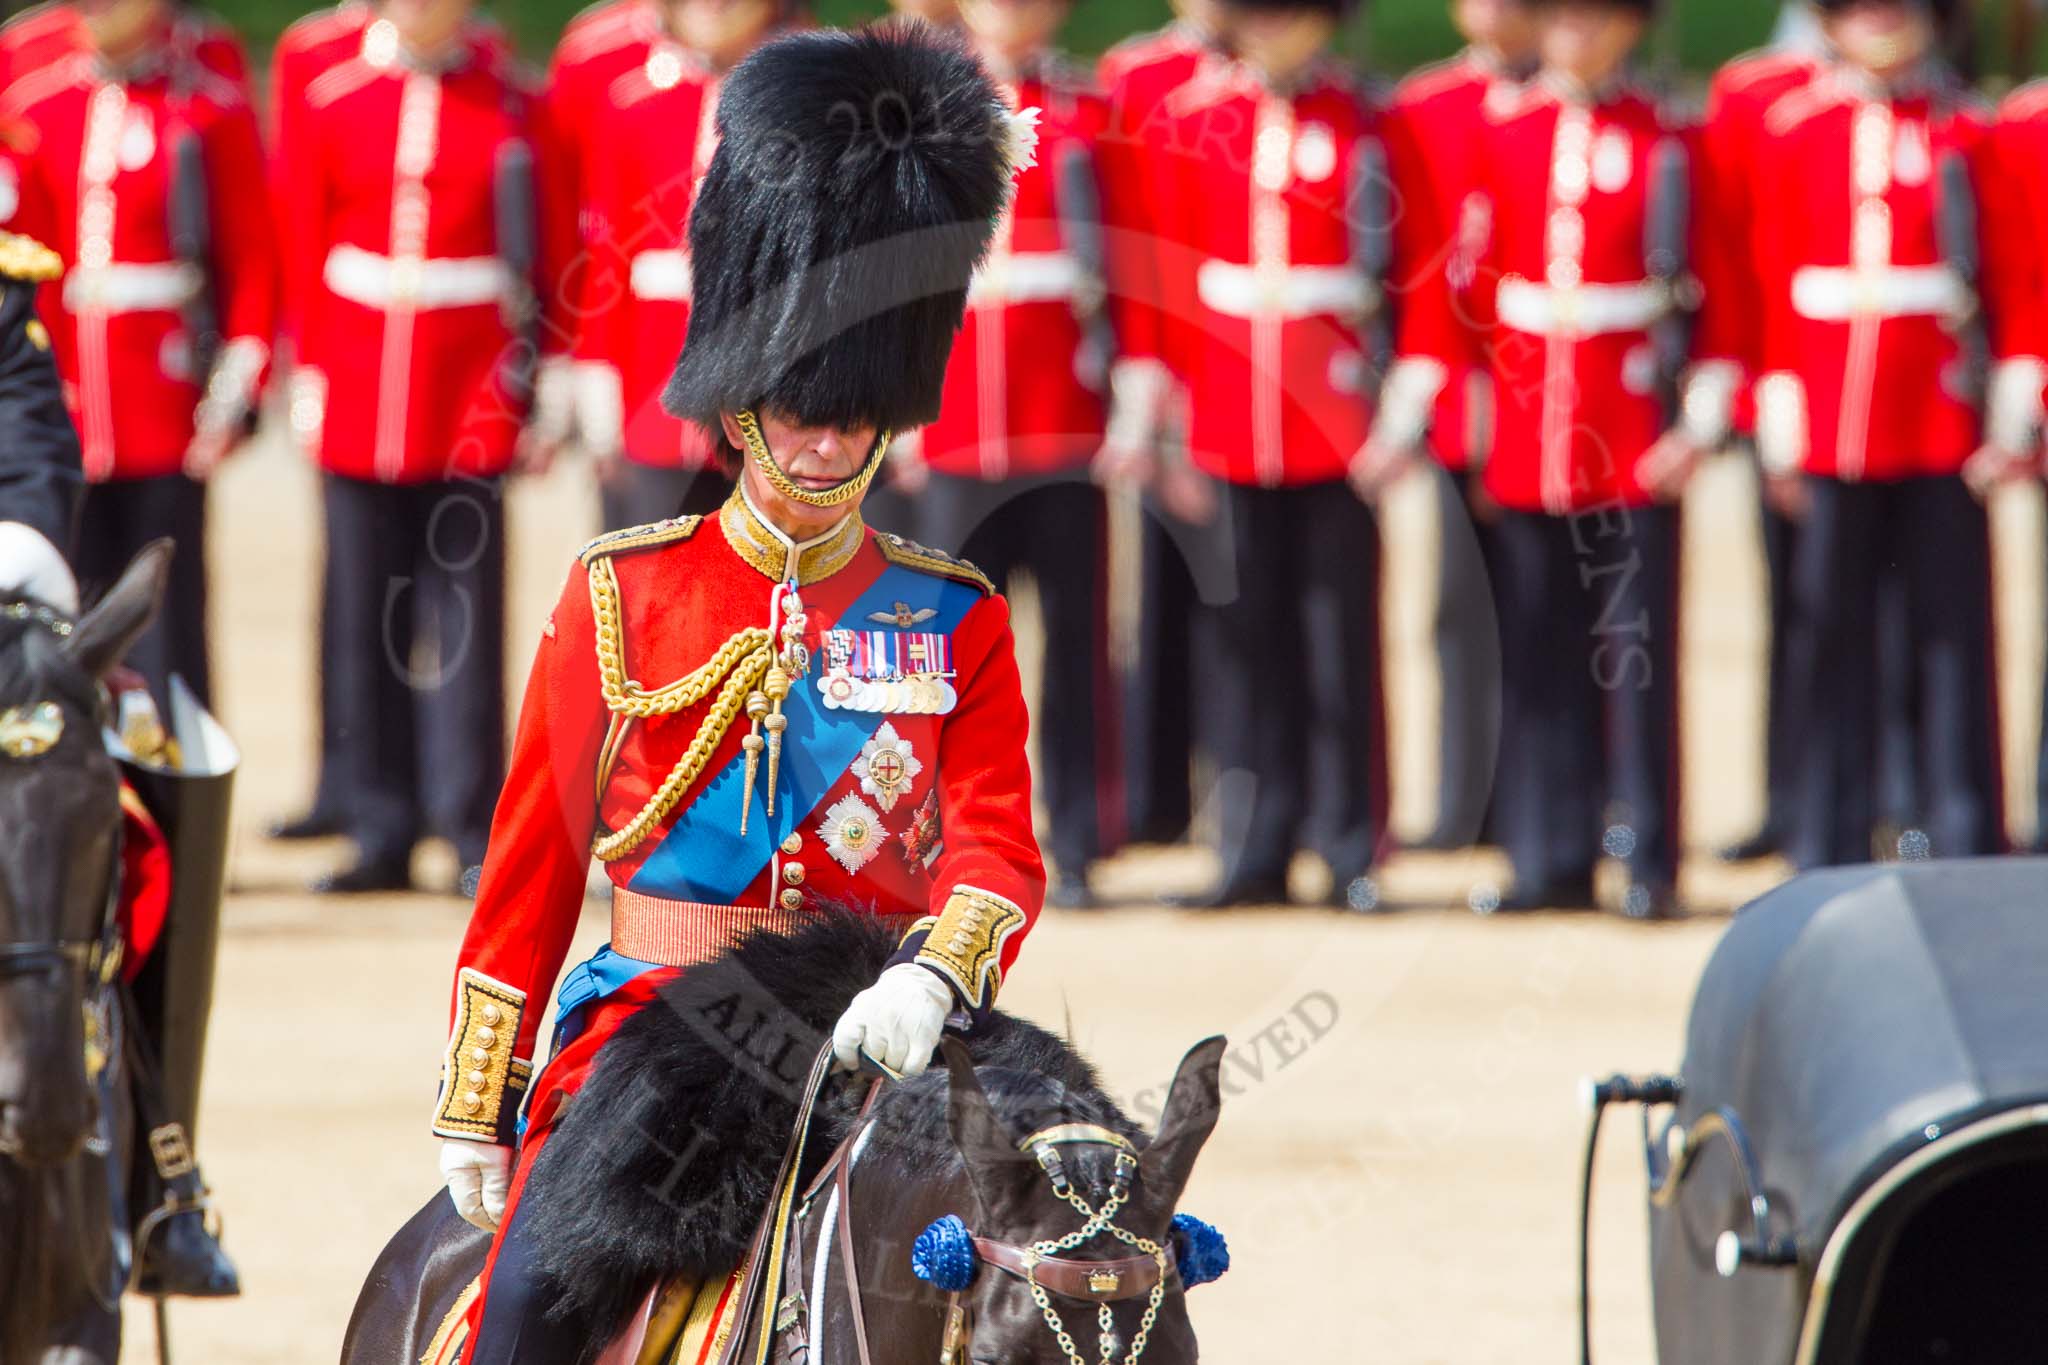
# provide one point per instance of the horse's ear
(1192, 1106)
(102, 637)
(981, 1137)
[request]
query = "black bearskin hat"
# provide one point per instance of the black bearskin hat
(858, 180)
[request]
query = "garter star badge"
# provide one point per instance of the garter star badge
(885, 766)
(852, 832)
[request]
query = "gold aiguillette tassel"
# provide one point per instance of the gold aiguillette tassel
(777, 688)
(757, 707)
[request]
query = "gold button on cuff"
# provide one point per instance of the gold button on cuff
(486, 1037)
(793, 873)
(476, 1081)
(792, 899)
(479, 1056)
(793, 845)
(493, 1016)
(472, 1101)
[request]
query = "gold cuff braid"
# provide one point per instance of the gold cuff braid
(481, 1081)
(966, 944)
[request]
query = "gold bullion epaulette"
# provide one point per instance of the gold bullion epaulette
(638, 538)
(912, 555)
(25, 258)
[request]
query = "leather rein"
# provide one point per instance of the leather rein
(1096, 1282)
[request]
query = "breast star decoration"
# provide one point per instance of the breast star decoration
(885, 766)
(852, 832)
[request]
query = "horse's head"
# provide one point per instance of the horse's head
(60, 819)
(1074, 1229)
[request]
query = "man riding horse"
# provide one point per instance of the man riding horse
(174, 819)
(752, 717)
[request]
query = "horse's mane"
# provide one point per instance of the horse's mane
(665, 1158)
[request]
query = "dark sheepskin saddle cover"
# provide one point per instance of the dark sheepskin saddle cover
(661, 1166)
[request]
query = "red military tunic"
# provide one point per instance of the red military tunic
(1018, 400)
(1863, 379)
(392, 206)
(1564, 300)
(601, 44)
(41, 35)
(2019, 184)
(1266, 325)
(901, 812)
(1731, 144)
(657, 128)
(1434, 131)
(98, 175)
(1134, 156)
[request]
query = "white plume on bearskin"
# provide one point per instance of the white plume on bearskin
(858, 180)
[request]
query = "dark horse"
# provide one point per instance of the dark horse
(658, 1170)
(65, 1120)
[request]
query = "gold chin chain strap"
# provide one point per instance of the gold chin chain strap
(735, 672)
(757, 451)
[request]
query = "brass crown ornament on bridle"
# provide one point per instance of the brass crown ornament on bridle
(836, 496)
(948, 1256)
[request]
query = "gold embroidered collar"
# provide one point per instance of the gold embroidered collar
(754, 539)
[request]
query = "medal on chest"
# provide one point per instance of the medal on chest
(892, 671)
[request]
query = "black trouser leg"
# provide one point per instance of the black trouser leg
(1158, 692)
(633, 494)
(1835, 588)
(518, 1326)
(372, 540)
(459, 695)
(1055, 530)
(1337, 598)
(1781, 727)
(1946, 550)
(1255, 690)
(1634, 663)
(1546, 797)
(1467, 634)
(117, 520)
(1901, 796)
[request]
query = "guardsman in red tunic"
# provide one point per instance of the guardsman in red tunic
(1874, 278)
(1438, 390)
(413, 200)
(1137, 75)
(2013, 418)
(1002, 476)
(646, 144)
(1275, 261)
(308, 48)
(749, 716)
(1730, 146)
(42, 34)
(142, 166)
(1580, 303)
(600, 44)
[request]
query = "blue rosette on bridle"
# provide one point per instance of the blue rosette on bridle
(1199, 1250)
(943, 1255)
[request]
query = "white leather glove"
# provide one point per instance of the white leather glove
(31, 566)
(897, 1021)
(478, 1176)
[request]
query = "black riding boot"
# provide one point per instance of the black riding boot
(177, 1254)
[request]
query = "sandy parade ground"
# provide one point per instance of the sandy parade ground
(1397, 1162)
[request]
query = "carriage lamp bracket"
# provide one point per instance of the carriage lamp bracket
(1732, 1249)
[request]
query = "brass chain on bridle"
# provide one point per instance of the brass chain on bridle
(1098, 1222)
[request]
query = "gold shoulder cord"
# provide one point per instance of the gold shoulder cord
(734, 671)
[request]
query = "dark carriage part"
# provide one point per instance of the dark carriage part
(1855, 1167)
(190, 799)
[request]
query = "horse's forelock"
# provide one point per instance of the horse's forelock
(34, 667)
